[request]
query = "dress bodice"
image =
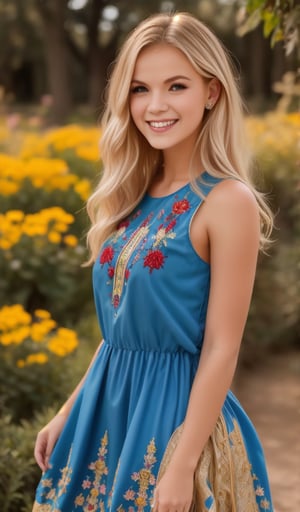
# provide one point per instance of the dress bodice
(151, 287)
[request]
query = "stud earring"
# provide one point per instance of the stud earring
(209, 106)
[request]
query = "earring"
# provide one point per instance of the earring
(209, 105)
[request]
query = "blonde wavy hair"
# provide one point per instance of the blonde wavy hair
(129, 161)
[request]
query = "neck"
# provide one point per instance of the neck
(177, 166)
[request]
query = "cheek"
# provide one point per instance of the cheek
(136, 110)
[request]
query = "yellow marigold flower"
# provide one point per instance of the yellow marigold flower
(64, 342)
(38, 358)
(71, 240)
(54, 237)
(20, 334)
(21, 363)
(40, 330)
(61, 227)
(6, 339)
(42, 313)
(15, 215)
(83, 189)
(90, 153)
(8, 188)
(32, 229)
(13, 316)
(6, 244)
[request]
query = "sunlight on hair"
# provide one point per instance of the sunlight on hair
(176, 18)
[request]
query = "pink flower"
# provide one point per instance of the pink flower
(181, 206)
(154, 260)
(129, 495)
(86, 484)
(107, 255)
(102, 489)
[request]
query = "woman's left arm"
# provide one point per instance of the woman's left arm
(232, 221)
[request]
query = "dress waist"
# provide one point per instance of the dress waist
(135, 348)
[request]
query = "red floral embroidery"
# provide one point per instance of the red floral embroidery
(123, 224)
(107, 255)
(181, 206)
(154, 260)
(111, 272)
(127, 273)
(116, 301)
(170, 225)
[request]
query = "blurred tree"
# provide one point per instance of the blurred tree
(53, 14)
(280, 18)
(65, 47)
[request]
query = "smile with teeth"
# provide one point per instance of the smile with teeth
(162, 124)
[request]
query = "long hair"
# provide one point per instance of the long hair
(129, 161)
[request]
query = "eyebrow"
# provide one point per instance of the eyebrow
(168, 80)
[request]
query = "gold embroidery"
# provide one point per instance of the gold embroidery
(93, 501)
(123, 258)
(54, 494)
(146, 479)
(223, 477)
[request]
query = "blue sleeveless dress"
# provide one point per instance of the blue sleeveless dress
(151, 293)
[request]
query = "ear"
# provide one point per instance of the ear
(214, 90)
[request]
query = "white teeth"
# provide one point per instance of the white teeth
(161, 124)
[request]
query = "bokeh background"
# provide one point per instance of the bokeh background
(55, 58)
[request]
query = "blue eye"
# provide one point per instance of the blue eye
(138, 89)
(177, 87)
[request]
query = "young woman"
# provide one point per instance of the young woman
(176, 229)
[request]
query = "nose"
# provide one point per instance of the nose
(157, 103)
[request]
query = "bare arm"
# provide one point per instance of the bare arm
(232, 223)
(48, 436)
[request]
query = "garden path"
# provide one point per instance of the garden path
(270, 393)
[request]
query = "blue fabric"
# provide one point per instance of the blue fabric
(151, 293)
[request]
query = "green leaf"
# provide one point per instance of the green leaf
(271, 21)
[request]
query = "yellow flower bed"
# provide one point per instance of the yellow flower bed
(17, 326)
(83, 140)
(46, 173)
(274, 136)
(50, 222)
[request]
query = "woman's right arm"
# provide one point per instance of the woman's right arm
(48, 436)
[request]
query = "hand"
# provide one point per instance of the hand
(174, 492)
(46, 440)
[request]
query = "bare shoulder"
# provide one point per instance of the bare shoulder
(232, 192)
(234, 200)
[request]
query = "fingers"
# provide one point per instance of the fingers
(168, 506)
(43, 449)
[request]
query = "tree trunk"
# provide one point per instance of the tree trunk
(99, 58)
(57, 58)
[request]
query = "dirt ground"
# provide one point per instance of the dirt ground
(270, 394)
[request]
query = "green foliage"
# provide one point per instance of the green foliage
(274, 319)
(46, 275)
(280, 18)
(18, 469)
(29, 389)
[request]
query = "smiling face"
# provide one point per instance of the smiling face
(168, 98)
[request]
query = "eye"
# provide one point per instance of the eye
(177, 87)
(138, 89)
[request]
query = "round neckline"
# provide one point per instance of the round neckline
(169, 195)
(183, 187)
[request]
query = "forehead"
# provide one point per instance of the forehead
(165, 60)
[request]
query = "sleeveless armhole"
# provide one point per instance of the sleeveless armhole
(206, 194)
